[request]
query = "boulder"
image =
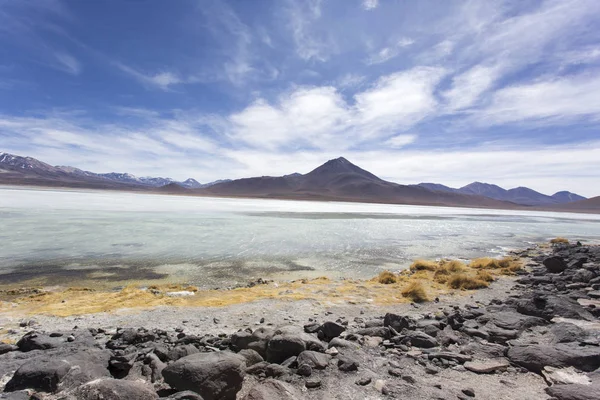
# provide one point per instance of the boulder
(383, 332)
(284, 346)
(574, 392)
(240, 340)
(215, 376)
(535, 357)
(565, 332)
(5, 348)
(420, 339)
(555, 264)
(39, 341)
(251, 357)
(398, 322)
(185, 395)
(113, 389)
(314, 359)
(331, 330)
(50, 374)
(273, 390)
(549, 306)
(511, 320)
(487, 366)
(181, 351)
(347, 364)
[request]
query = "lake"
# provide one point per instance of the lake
(66, 236)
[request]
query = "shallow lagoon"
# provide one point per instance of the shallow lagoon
(68, 235)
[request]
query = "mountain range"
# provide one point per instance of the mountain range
(27, 170)
(518, 195)
(337, 180)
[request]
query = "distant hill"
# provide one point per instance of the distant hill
(339, 179)
(336, 180)
(520, 195)
(588, 205)
(19, 170)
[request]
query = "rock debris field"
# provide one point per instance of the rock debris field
(537, 337)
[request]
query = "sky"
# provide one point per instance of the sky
(505, 92)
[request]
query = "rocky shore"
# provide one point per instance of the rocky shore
(536, 336)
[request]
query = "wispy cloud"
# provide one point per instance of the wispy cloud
(161, 80)
(389, 52)
(310, 43)
(68, 63)
(370, 4)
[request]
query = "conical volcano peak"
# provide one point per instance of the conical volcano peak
(340, 166)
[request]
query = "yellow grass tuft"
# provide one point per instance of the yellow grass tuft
(387, 277)
(485, 276)
(415, 292)
(492, 263)
(559, 239)
(463, 281)
(423, 265)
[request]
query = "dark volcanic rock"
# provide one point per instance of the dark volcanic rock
(39, 341)
(535, 357)
(420, 339)
(347, 364)
(565, 332)
(5, 348)
(51, 373)
(185, 395)
(314, 359)
(181, 351)
(331, 330)
(555, 264)
(251, 356)
(575, 392)
(398, 322)
(113, 389)
(213, 375)
(550, 306)
(273, 390)
(282, 347)
(383, 332)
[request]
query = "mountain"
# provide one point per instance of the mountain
(335, 180)
(566, 197)
(591, 205)
(28, 170)
(341, 180)
(438, 187)
(520, 195)
(191, 183)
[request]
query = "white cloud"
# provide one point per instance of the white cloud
(467, 87)
(387, 53)
(310, 43)
(370, 4)
(349, 81)
(397, 101)
(68, 63)
(401, 140)
(161, 80)
(558, 100)
(319, 117)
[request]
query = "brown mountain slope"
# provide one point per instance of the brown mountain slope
(341, 180)
(587, 205)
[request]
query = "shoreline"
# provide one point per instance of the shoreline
(324, 199)
(499, 342)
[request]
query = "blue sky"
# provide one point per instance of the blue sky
(506, 92)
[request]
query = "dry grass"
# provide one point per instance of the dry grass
(415, 292)
(559, 239)
(387, 277)
(485, 276)
(423, 265)
(464, 281)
